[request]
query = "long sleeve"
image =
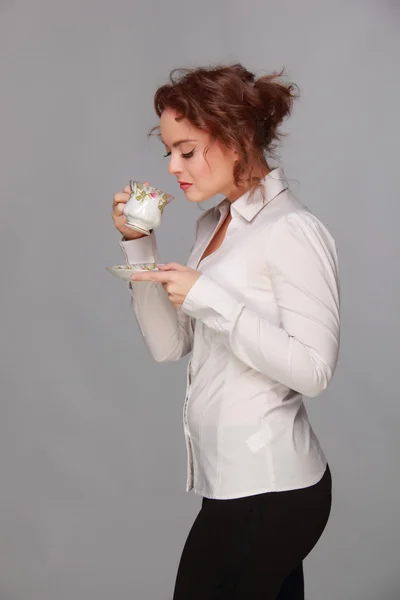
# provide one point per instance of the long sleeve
(302, 352)
(166, 330)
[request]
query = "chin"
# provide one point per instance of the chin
(203, 197)
(196, 196)
(193, 197)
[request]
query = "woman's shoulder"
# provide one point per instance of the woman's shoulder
(290, 215)
(290, 232)
(299, 240)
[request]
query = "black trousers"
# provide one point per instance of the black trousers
(252, 548)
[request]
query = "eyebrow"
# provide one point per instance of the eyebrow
(176, 144)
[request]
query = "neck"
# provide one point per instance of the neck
(238, 192)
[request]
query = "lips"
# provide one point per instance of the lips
(184, 185)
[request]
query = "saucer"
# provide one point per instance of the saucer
(125, 272)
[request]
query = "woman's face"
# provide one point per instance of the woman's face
(186, 144)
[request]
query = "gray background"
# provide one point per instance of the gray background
(92, 456)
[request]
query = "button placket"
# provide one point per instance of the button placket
(190, 475)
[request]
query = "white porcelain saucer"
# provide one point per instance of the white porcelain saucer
(125, 272)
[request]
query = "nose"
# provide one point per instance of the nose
(174, 166)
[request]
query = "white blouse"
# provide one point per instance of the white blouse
(262, 324)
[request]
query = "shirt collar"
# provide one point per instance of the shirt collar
(273, 184)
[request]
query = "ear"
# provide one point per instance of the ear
(233, 154)
(236, 155)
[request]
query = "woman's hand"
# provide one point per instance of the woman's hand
(120, 220)
(176, 279)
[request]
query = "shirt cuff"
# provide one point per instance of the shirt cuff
(212, 304)
(141, 250)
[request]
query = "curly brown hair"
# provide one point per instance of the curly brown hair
(237, 109)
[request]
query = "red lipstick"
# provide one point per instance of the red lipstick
(184, 185)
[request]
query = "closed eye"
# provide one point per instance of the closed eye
(188, 155)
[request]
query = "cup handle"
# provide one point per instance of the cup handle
(132, 185)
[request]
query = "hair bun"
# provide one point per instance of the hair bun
(276, 97)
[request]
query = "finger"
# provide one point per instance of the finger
(173, 266)
(152, 276)
(118, 209)
(119, 221)
(120, 197)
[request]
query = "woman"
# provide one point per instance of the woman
(257, 306)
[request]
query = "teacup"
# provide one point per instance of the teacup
(145, 207)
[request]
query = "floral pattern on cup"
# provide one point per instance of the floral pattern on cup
(141, 191)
